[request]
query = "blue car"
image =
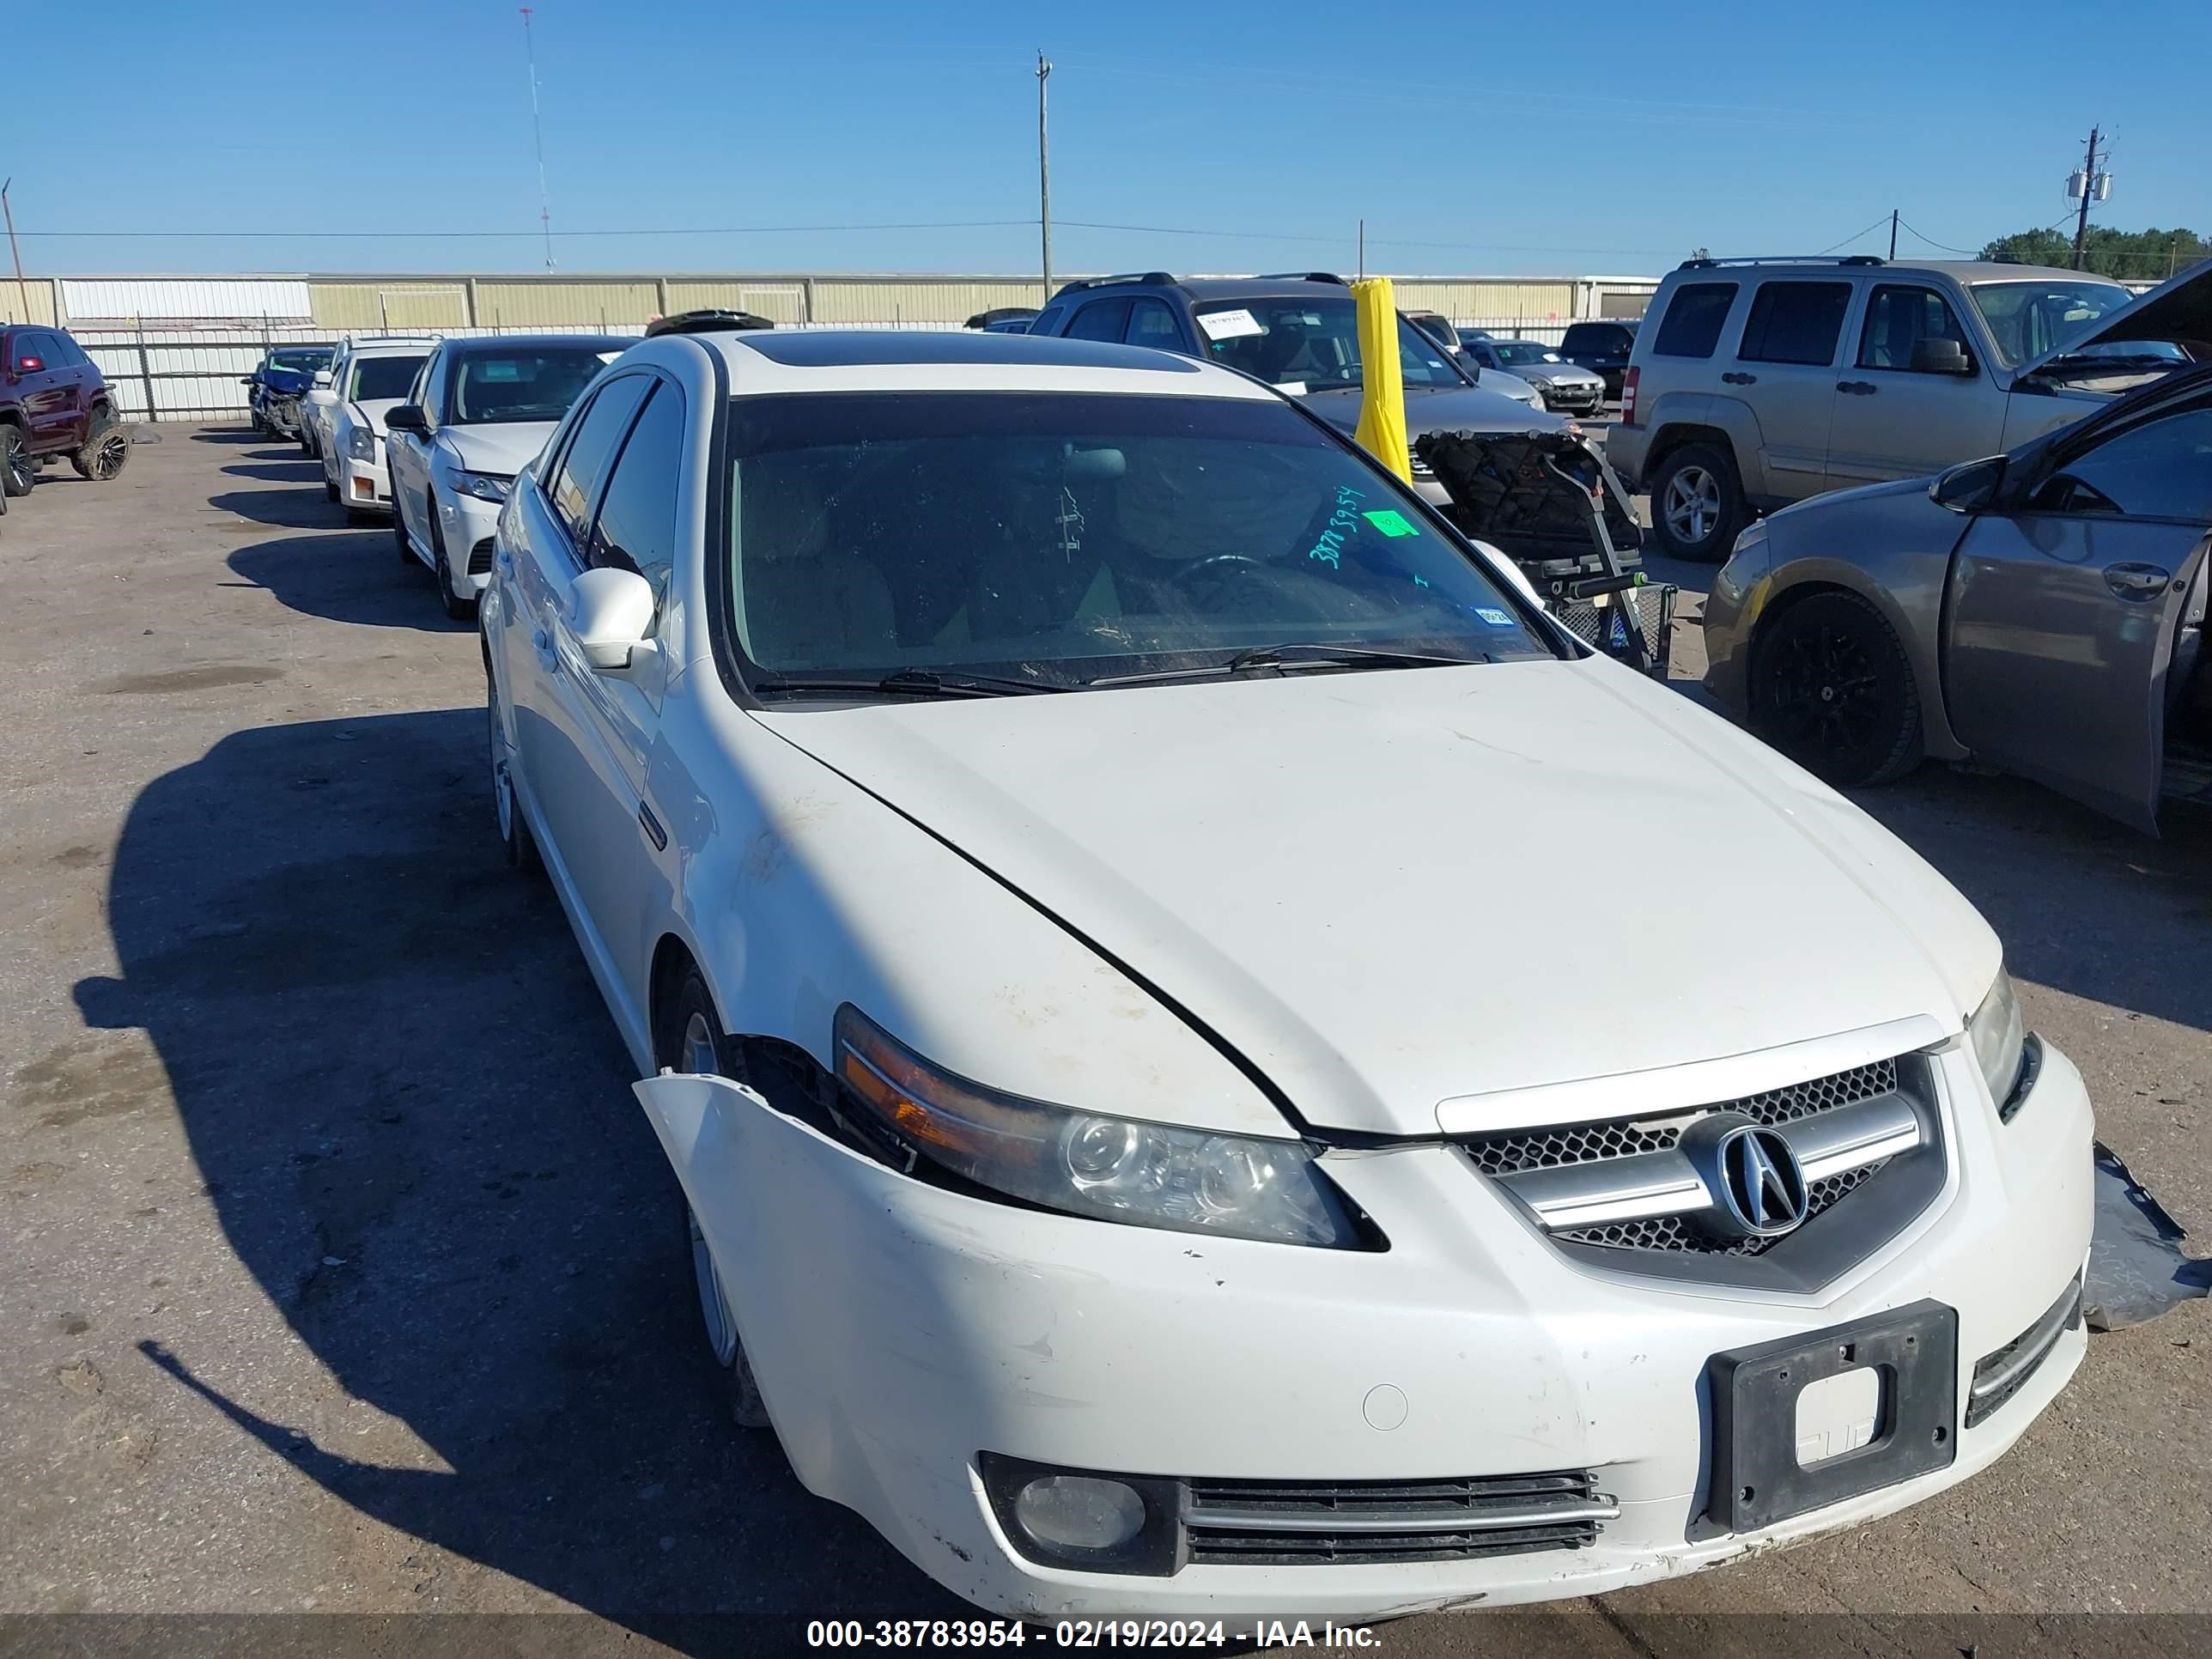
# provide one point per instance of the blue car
(272, 391)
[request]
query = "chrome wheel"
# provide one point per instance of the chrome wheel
(1692, 505)
(713, 1302)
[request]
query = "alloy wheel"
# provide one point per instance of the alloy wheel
(108, 455)
(1824, 692)
(1692, 505)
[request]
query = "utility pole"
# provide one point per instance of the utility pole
(1892, 235)
(1362, 250)
(2089, 189)
(1044, 173)
(537, 138)
(15, 253)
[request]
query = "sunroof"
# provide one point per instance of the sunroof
(840, 349)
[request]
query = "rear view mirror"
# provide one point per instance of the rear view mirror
(407, 417)
(608, 612)
(1938, 355)
(1969, 488)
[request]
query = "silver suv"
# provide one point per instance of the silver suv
(1755, 383)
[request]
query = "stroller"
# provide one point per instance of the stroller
(1548, 501)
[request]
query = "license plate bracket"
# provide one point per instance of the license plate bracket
(1757, 1480)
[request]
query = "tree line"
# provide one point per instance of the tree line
(2136, 256)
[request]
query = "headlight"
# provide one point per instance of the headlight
(1540, 382)
(1110, 1168)
(1750, 541)
(2000, 1039)
(360, 444)
(482, 485)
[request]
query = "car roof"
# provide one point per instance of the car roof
(1959, 271)
(954, 360)
(391, 348)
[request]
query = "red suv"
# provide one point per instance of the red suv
(54, 402)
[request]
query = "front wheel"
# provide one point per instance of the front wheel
(1697, 504)
(105, 450)
(17, 471)
(459, 606)
(687, 1037)
(521, 848)
(1831, 688)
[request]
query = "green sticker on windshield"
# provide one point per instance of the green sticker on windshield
(1390, 522)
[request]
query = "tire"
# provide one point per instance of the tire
(459, 608)
(687, 1037)
(1697, 504)
(105, 452)
(330, 489)
(403, 547)
(17, 471)
(514, 834)
(1830, 688)
(306, 446)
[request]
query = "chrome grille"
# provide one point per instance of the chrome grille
(1652, 1183)
(1584, 1142)
(1272, 1523)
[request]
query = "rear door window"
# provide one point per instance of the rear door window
(1796, 322)
(591, 451)
(1102, 319)
(1152, 324)
(1691, 327)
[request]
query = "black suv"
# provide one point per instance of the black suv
(54, 402)
(1603, 347)
(1297, 332)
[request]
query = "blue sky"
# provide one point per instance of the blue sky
(1583, 138)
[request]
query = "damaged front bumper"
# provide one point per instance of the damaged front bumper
(912, 1342)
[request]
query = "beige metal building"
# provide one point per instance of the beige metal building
(338, 303)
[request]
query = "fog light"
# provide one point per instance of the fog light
(1086, 1519)
(1079, 1512)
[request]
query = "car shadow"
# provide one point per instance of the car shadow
(274, 467)
(230, 435)
(345, 575)
(411, 1115)
(285, 509)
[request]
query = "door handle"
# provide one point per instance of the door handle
(2137, 581)
(1862, 388)
(1735, 379)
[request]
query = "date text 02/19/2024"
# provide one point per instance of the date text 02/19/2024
(1079, 1633)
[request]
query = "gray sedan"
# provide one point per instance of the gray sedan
(2041, 611)
(1562, 384)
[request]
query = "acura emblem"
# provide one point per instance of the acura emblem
(1761, 1185)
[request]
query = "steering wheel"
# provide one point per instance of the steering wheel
(1220, 565)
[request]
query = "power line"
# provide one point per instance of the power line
(1854, 236)
(470, 235)
(1969, 253)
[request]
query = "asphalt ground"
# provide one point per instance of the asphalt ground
(339, 1279)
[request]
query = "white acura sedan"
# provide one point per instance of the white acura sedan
(1117, 908)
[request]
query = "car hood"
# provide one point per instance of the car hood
(1390, 890)
(503, 448)
(1506, 384)
(2177, 312)
(1440, 409)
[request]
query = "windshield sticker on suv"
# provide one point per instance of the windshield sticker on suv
(1228, 324)
(1330, 550)
(1390, 522)
(1495, 617)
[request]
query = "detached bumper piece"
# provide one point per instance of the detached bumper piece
(1146, 1525)
(2000, 1375)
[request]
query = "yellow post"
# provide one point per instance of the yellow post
(1382, 430)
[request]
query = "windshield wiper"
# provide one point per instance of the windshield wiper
(906, 682)
(1297, 656)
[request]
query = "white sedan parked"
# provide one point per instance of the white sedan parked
(478, 413)
(369, 379)
(1109, 895)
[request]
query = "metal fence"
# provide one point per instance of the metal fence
(193, 375)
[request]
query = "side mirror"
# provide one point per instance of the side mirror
(1934, 355)
(407, 417)
(322, 377)
(29, 365)
(249, 379)
(608, 612)
(1970, 487)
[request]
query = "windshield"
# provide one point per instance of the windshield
(307, 362)
(1311, 345)
(534, 385)
(2027, 319)
(385, 377)
(1514, 353)
(1059, 538)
